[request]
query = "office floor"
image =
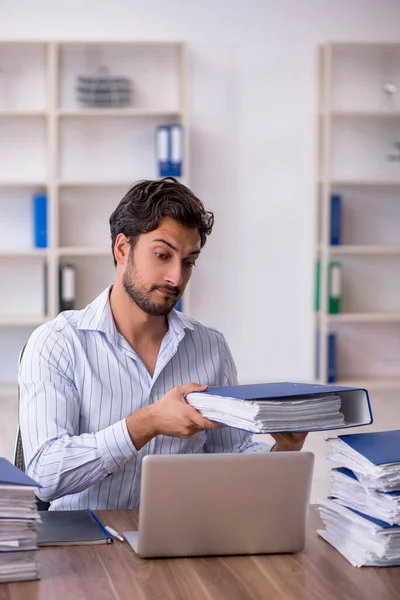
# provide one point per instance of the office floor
(385, 408)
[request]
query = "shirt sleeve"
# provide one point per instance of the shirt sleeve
(60, 459)
(229, 439)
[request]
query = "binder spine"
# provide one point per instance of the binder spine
(336, 219)
(163, 151)
(317, 286)
(176, 150)
(335, 288)
(40, 220)
(332, 375)
(67, 287)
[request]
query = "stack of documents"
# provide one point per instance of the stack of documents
(18, 525)
(362, 516)
(264, 415)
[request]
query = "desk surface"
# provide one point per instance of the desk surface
(114, 572)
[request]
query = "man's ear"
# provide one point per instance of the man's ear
(122, 247)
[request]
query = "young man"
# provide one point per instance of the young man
(102, 387)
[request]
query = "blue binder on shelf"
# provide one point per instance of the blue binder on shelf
(11, 475)
(40, 220)
(336, 220)
(355, 402)
(169, 150)
(379, 447)
(179, 305)
(332, 375)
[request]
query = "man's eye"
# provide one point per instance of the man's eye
(189, 264)
(161, 256)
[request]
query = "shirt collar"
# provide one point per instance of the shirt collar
(97, 316)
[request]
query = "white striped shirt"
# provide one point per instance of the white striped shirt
(79, 379)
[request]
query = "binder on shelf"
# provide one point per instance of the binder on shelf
(176, 150)
(335, 276)
(178, 306)
(354, 403)
(317, 286)
(40, 220)
(332, 374)
(67, 287)
(169, 150)
(162, 150)
(317, 354)
(336, 219)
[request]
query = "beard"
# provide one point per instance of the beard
(137, 292)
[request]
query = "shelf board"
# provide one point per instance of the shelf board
(24, 253)
(23, 184)
(84, 251)
(120, 112)
(100, 183)
(371, 384)
(365, 114)
(22, 320)
(23, 113)
(378, 317)
(353, 249)
(360, 183)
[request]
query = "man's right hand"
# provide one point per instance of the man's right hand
(171, 416)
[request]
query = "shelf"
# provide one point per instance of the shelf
(23, 113)
(23, 320)
(371, 384)
(363, 317)
(93, 183)
(84, 251)
(119, 112)
(370, 250)
(13, 183)
(24, 253)
(360, 183)
(364, 114)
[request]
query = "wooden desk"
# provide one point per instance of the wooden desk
(114, 572)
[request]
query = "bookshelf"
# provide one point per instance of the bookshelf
(83, 159)
(358, 129)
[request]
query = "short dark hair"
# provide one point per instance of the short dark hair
(149, 201)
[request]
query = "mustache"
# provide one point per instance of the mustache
(168, 288)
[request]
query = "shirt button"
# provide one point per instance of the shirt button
(125, 460)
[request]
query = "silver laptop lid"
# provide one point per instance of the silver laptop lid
(213, 504)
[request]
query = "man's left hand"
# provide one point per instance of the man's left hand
(288, 441)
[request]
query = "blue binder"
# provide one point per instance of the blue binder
(355, 402)
(351, 475)
(380, 447)
(332, 375)
(336, 219)
(11, 475)
(40, 221)
(176, 150)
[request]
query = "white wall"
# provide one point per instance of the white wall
(252, 107)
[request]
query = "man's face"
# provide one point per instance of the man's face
(160, 265)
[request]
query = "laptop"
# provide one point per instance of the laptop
(221, 504)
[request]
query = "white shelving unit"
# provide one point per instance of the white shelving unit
(83, 159)
(358, 125)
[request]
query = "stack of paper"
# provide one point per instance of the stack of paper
(362, 517)
(310, 413)
(18, 525)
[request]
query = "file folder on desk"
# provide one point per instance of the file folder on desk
(292, 406)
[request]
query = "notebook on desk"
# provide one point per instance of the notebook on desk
(71, 528)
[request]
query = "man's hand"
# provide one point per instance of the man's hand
(171, 415)
(288, 441)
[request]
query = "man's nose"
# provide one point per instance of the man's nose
(175, 276)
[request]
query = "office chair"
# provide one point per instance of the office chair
(19, 460)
